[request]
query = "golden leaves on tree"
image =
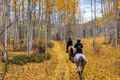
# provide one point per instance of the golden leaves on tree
(14, 3)
(49, 5)
(60, 4)
(34, 1)
(66, 5)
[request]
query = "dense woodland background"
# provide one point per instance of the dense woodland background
(30, 26)
(29, 19)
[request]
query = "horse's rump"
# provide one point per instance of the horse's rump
(79, 57)
(80, 62)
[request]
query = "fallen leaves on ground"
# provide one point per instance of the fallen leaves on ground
(104, 65)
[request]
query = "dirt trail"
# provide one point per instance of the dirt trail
(65, 70)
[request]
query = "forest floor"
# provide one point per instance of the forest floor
(102, 65)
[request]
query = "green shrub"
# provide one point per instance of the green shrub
(38, 57)
(21, 59)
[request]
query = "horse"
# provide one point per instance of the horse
(71, 52)
(79, 59)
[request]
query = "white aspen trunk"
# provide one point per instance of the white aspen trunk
(30, 28)
(118, 23)
(94, 29)
(104, 8)
(30, 38)
(6, 37)
(5, 23)
(74, 20)
(40, 14)
(16, 34)
(92, 18)
(46, 25)
(16, 38)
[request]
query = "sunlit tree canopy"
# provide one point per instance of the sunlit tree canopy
(118, 3)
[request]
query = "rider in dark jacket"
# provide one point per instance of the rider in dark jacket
(78, 46)
(69, 43)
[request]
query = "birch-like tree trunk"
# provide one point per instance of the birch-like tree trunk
(5, 22)
(16, 34)
(45, 3)
(49, 3)
(29, 28)
(94, 27)
(118, 24)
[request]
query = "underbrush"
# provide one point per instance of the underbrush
(23, 59)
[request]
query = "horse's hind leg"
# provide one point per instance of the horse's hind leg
(80, 75)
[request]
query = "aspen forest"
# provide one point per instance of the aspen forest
(34, 35)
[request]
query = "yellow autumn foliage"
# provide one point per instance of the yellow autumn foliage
(34, 1)
(71, 6)
(14, 3)
(119, 4)
(60, 4)
(66, 5)
(49, 5)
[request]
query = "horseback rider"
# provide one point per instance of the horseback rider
(78, 46)
(79, 57)
(69, 43)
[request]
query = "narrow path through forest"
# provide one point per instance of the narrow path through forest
(65, 70)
